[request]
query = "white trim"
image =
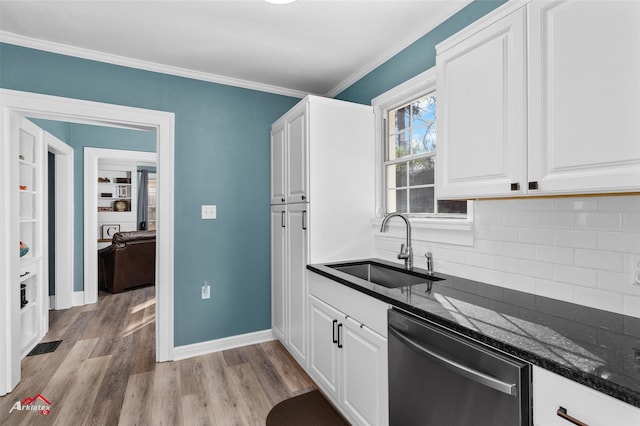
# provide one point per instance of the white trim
(428, 26)
(94, 55)
(203, 348)
(64, 225)
(77, 298)
(35, 105)
(91, 158)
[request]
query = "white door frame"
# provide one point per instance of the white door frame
(91, 157)
(86, 112)
(64, 220)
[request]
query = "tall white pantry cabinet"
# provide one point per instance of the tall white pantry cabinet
(322, 201)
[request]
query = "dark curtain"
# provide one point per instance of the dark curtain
(143, 200)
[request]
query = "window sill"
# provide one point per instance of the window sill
(448, 231)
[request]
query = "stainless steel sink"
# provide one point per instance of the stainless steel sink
(386, 276)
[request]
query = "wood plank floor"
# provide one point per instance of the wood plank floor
(104, 373)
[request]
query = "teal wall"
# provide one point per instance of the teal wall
(221, 157)
(416, 58)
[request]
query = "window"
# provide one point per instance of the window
(408, 122)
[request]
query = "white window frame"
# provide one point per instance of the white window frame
(454, 230)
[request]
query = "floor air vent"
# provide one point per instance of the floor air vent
(45, 348)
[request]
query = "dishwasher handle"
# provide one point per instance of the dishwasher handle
(469, 373)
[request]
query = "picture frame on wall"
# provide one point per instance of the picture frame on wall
(109, 230)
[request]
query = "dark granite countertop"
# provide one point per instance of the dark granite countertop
(596, 348)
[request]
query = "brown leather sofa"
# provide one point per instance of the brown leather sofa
(130, 261)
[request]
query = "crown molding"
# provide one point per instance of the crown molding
(94, 55)
(453, 8)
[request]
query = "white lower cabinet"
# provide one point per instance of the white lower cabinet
(349, 363)
(551, 392)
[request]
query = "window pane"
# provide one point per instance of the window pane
(423, 124)
(399, 145)
(397, 175)
(421, 172)
(397, 200)
(455, 206)
(422, 200)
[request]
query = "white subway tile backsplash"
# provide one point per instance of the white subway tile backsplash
(519, 282)
(599, 299)
(619, 203)
(574, 238)
(631, 221)
(496, 233)
(626, 242)
(577, 276)
(536, 236)
(504, 264)
(598, 220)
(520, 251)
(600, 260)
(523, 219)
(535, 269)
(556, 255)
(631, 306)
(577, 249)
(575, 204)
(551, 219)
(555, 290)
(618, 282)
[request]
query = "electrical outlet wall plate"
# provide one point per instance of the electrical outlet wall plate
(209, 211)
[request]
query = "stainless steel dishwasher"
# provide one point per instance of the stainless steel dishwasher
(440, 378)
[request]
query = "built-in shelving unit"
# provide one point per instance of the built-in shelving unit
(33, 300)
(117, 199)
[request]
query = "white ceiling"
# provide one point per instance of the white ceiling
(310, 46)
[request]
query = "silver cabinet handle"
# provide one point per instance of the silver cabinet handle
(469, 373)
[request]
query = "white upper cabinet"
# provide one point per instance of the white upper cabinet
(298, 156)
(541, 98)
(584, 96)
(481, 111)
(278, 163)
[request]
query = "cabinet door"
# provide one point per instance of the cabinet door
(278, 271)
(323, 349)
(481, 112)
(278, 163)
(584, 96)
(551, 391)
(297, 256)
(298, 156)
(364, 393)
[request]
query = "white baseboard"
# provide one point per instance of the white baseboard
(203, 348)
(77, 299)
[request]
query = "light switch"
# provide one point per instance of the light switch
(208, 212)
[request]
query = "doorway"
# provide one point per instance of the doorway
(85, 112)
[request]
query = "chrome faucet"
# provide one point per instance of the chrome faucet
(406, 252)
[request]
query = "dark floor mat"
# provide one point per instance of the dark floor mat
(309, 409)
(45, 348)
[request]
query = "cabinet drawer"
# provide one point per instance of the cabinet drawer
(551, 391)
(364, 309)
